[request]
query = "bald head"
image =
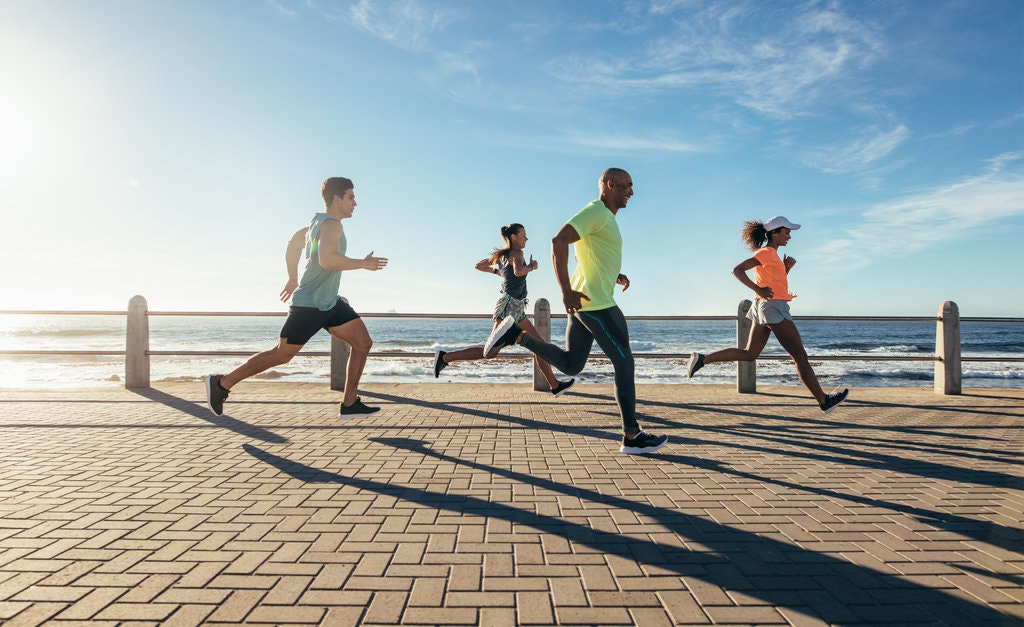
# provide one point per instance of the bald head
(616, 186)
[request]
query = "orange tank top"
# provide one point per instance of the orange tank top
(772, 273)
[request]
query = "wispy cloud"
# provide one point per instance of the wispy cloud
(655, 142)
(283, 10)
(406, 24)
(873, 144)
(780, 63)
(935, 216)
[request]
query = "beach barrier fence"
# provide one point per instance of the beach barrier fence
(947, 357)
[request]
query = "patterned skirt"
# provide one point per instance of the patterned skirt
(508, 306)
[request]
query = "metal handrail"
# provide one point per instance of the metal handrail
(464, 316)
(657, 356)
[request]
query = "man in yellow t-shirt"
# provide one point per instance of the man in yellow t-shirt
(589, 299)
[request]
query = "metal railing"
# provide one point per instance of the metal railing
(947, 357)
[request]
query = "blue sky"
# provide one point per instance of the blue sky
(170, 148)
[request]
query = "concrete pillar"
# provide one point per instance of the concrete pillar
(746, 371)
(136, 358)
(542, 322)
(339, 363)
(947, 349)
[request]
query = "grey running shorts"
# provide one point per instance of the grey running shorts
(769, 311)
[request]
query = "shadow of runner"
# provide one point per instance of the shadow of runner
(1007, 538)
(201, 412)
(525, 422)
(781, 574)
(818, 451)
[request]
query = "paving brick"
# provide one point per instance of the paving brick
(447, 508)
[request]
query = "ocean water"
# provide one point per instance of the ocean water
(400, 336)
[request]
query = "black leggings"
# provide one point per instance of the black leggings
(608, 327)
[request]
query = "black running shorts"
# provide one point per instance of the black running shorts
(304, 322)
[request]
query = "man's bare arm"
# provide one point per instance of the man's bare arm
(330, 259)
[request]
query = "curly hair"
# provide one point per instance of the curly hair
(754, 234)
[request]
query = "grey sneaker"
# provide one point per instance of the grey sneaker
(215, 394)
(356, 408)
(833, 400)
(695, 363)
(642, 443)
(505, 334)
(439, 364)
(562, 387)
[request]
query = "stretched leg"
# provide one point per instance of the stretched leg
(469, 354)
(789, 337)
(756, 341)
(354, 334)
(611, 333)
(280, 354)
(545, 367)
(578, 342)
(465, 354)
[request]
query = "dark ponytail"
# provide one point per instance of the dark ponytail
(754, 234)
(500, 255)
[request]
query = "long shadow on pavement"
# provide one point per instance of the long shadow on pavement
(781, 574)
(201, 412)
(998, 535)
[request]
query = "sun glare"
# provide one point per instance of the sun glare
(15, 134)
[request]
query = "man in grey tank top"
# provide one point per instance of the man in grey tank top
(315, 301)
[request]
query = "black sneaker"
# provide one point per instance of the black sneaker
(439, 364)
(696, 363)
(215, 394)
(833, 399)
(562, 386)
(505, 334)
(642, 443)
(357, 408)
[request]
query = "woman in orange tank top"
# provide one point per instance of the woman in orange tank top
(770, 311)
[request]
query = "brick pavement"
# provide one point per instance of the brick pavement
(497, 505)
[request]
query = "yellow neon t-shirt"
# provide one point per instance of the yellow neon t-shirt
(598, 255)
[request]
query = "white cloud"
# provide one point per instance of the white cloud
(780, 63)
(406, 24)
(658, 142)
(874, 144)
(934, 217)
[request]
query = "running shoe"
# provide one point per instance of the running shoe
(561, 388)
(642, 443)
(215, 394)
(505, 334)
(357, 408)
(833, 400)
(695, 363)
(439, 364)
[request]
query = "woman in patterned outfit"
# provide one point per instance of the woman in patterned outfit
(511, 266)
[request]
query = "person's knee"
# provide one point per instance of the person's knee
(624, 368)
(574, 366)
(361, 344)
(281, 356)
(573, 369)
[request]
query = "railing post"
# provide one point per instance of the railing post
(947, 350)
(746, 371)
(339, 363)
(136, 358)
(541, 322)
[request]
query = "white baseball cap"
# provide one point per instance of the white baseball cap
(778, 222)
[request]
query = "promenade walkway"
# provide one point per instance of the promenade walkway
(496, 505)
